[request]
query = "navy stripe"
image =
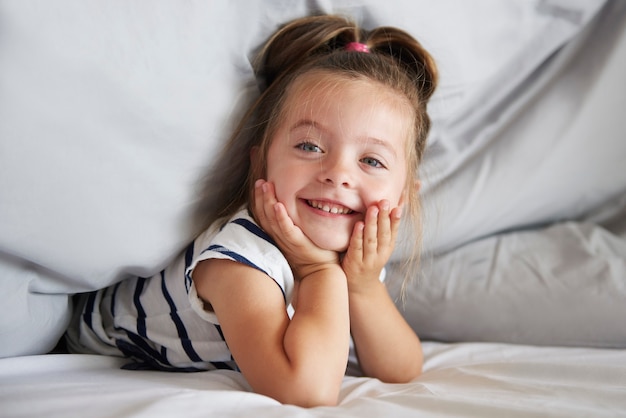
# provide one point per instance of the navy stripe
(87, 312)
(221, 365)
(148, 359)
(236, 257)
(147, 352)
(219, 330)
(114, 298)
(141, 313)
(254, 229)
(156, 366)
(180, 327)
(139, 349)
(188, 261)
(189, 255)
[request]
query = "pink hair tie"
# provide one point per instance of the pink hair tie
(358, 47)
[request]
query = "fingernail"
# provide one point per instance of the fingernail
(384, 205)
(258, 183)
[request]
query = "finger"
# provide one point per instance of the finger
(384, 225)
(283, 221)
(264, 201)
(269, 201)
(355, 248)
(370, 233)
(269, 195)
(396, 219)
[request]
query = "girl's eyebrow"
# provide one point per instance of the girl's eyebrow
(307, 123)
(382, 143)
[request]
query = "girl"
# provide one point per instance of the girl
(313, 189)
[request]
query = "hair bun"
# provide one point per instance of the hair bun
(300, 40)
(409, 54)
(296, 42)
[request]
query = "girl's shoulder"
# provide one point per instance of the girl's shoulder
(242, 240)
(237, 232)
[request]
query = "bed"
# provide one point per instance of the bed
(111, 115)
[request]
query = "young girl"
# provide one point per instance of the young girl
(290, 268)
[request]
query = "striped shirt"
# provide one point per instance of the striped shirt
(159, 322)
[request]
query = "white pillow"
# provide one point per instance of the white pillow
(31, 321)
(559, 285)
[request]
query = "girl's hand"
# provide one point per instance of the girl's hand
(303, 255)
(371, 245)
(387, 346)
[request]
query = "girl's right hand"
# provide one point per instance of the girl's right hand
(303, 255)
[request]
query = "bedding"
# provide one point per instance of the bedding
(111, 116)
(469, 379)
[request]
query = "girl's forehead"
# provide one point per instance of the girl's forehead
(319, 88)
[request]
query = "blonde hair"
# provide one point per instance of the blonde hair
(318, 43)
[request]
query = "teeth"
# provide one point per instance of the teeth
(337, 210)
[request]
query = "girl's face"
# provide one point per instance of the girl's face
(339, 148)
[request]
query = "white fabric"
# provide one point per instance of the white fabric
(461, 380)
(560, 285)
(550, 149)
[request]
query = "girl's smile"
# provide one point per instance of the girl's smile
(330, 207)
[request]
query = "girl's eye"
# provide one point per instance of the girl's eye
(373, 162)
(308, 147)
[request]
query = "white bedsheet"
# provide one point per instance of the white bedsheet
(468, 379)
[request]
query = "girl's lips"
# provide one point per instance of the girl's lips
(329, 207)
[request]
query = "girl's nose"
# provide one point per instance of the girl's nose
(337, 172)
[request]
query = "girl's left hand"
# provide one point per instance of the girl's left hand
(371, 245)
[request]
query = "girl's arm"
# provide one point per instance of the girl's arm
(300, 361)
(386, 345)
